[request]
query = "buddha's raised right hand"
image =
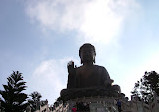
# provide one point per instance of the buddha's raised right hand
(71, 68)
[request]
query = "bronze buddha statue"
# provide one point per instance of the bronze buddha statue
(88, 77)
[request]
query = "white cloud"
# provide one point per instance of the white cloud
(94, 20)
(50, 77)
(58, 15)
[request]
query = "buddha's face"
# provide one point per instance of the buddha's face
(87, 54)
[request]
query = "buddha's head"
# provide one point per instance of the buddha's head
(87, 53)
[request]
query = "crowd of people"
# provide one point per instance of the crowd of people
(81, 107)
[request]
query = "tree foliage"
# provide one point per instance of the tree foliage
(13, 99)
(35, 99)
(147, 87)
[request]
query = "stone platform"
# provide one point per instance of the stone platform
(67, 94)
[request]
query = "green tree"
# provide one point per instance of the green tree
(153, 80)
(35, 99)
(13, 99)
(147, 87)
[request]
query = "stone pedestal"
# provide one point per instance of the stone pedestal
(68, 94)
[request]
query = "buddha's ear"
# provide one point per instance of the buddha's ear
(94, 61)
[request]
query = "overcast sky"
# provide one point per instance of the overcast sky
(39, 37)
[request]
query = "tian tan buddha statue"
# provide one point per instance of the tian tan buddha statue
(88, 79)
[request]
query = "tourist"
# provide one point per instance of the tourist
(74, 109)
